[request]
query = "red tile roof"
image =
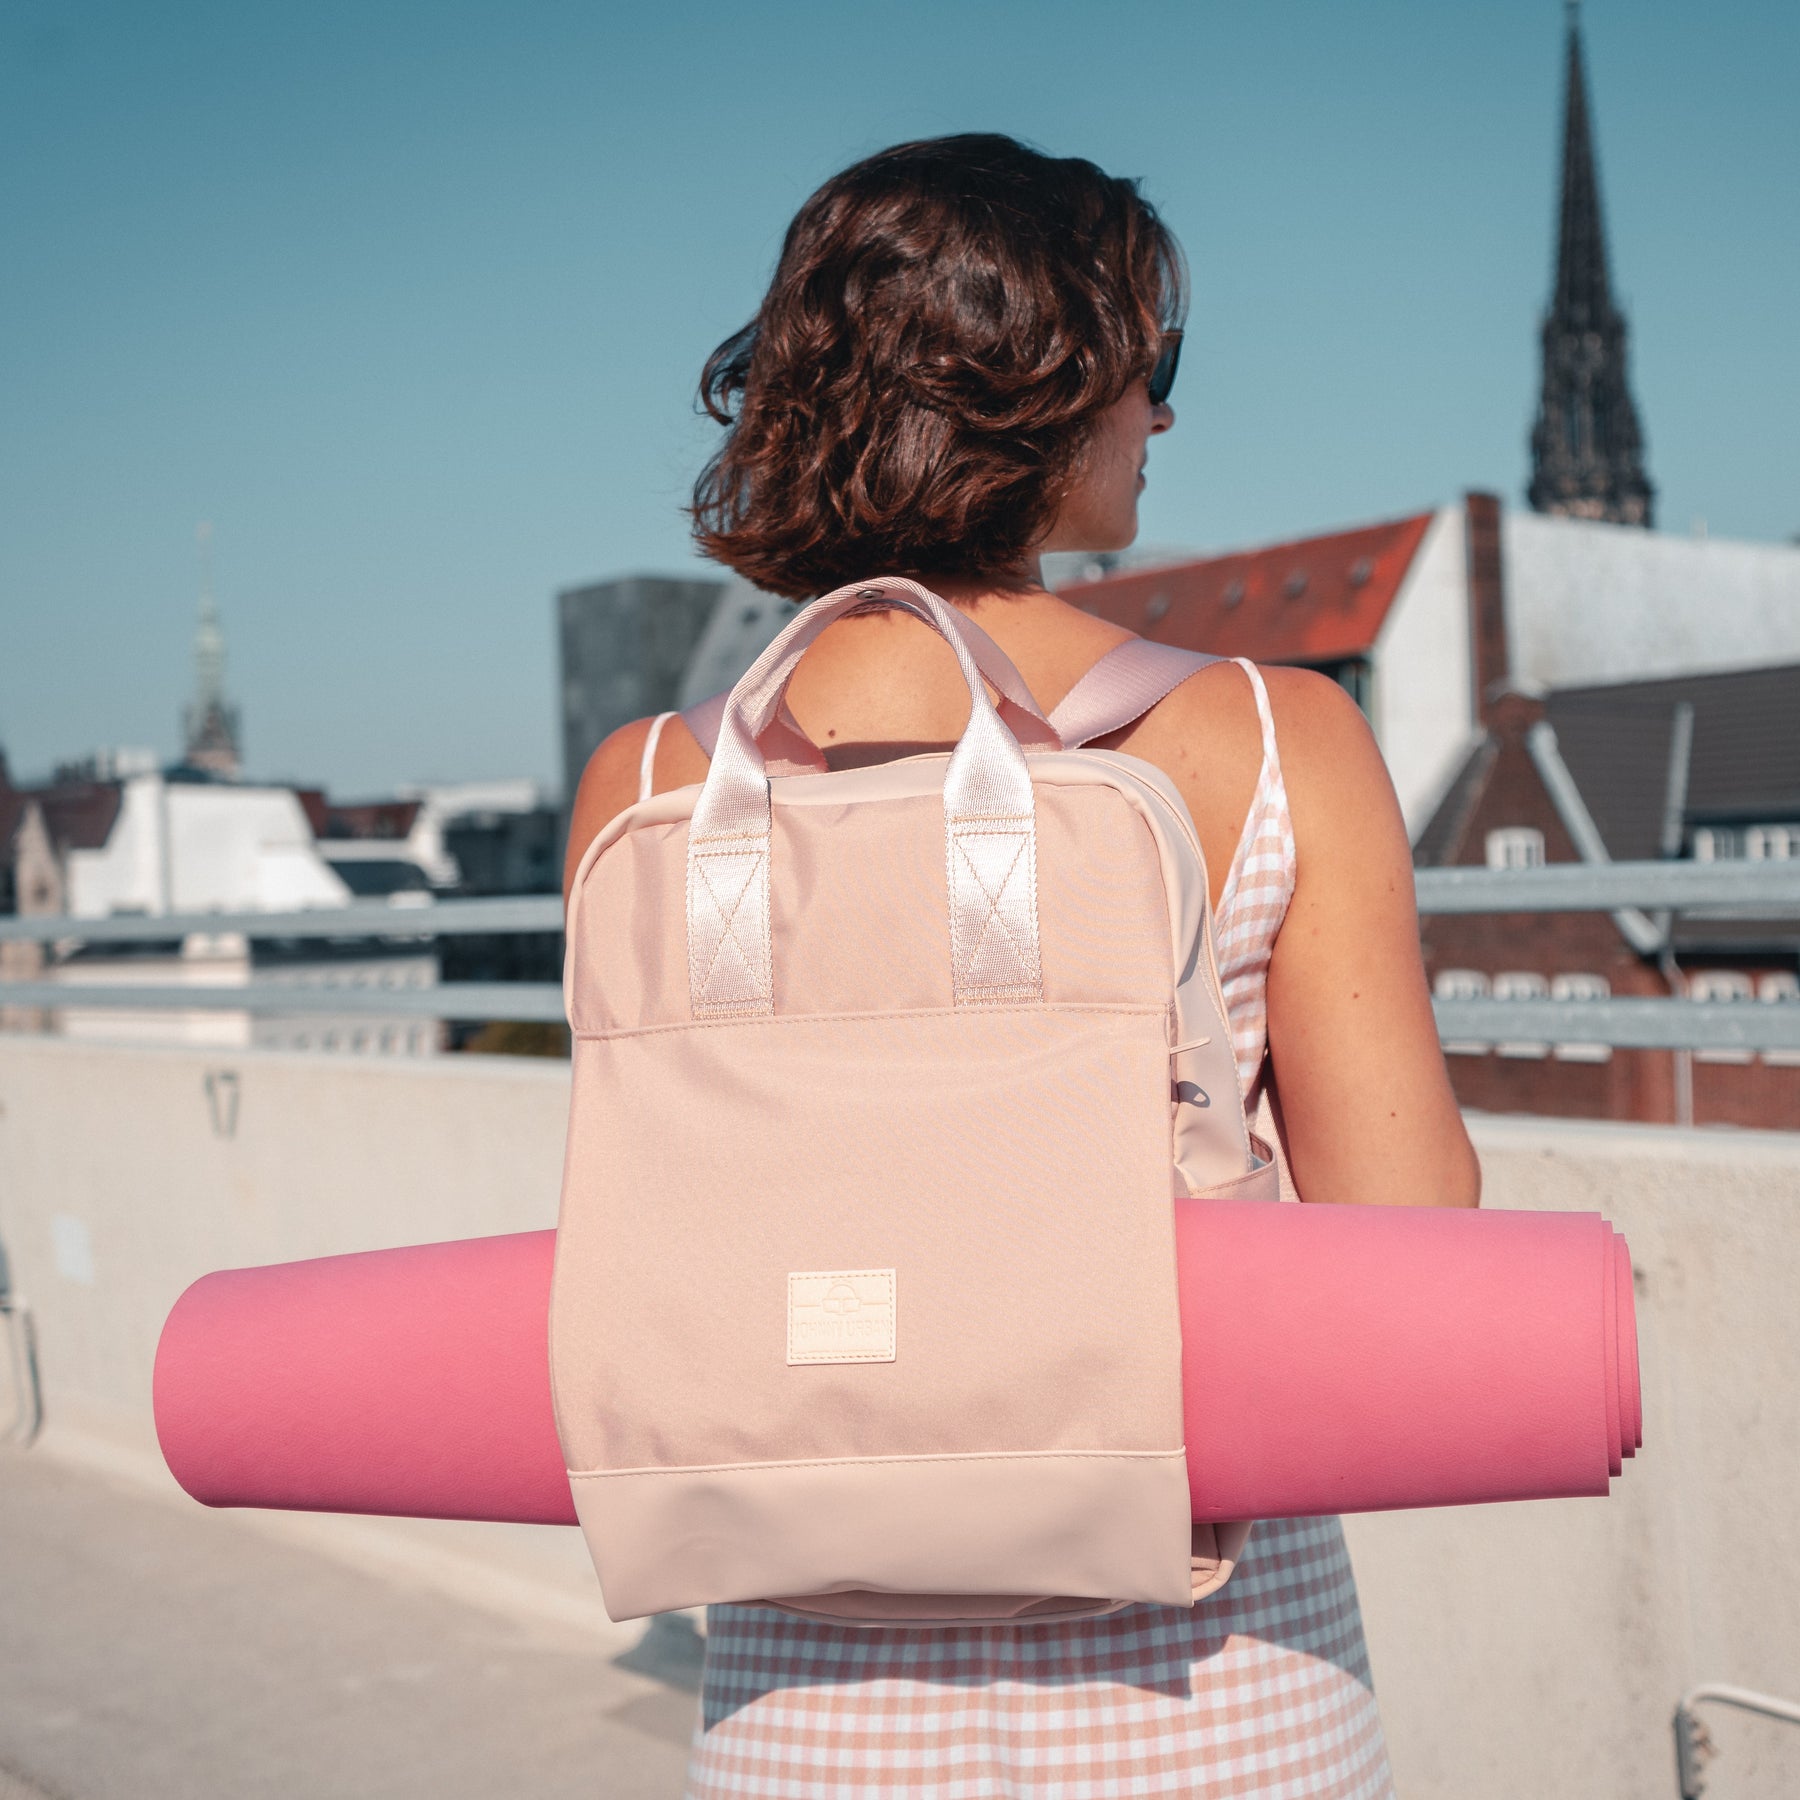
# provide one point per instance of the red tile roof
(1315, 600)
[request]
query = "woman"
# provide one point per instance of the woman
(959, 366)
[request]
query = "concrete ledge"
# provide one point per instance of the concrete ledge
(1522, 1649)
(1541, 1648)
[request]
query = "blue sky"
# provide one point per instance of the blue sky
(409, 301)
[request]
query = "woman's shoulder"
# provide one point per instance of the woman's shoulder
(1207, 736)
(1212, 723)
(614, 774)
(1331, 765)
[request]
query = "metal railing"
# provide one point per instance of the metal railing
(19, 1328)
(324, 990)
(374, 919)
(1693, 1745)
(1758, 890)
(1712, 891)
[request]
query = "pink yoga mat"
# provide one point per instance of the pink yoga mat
(1364, 1359)
(409, 1381)
(1336, 1359)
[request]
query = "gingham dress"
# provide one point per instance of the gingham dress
(1262, 1690)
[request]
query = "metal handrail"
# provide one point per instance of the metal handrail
(1692, 1744)
(1624, 1024)
(533, 1000)
(1629, 1024)
(1758, 889)
(503, 916)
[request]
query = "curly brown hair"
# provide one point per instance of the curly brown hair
(947, 320)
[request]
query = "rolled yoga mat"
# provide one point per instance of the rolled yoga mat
(1369, 1358)
(1335, 1359)
(413, 1382)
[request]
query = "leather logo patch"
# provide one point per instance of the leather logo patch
(840, 1316)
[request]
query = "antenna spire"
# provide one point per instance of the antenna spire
(209, 722)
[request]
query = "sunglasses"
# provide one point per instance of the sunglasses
(1162, 376)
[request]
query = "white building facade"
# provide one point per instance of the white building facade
(185, 847)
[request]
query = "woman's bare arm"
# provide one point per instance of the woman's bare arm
(1366, 1105)
(608, 785)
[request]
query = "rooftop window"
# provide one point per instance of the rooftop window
(1727, 986)
(1515, 847)
(1580, 985)
(1772, 843)
(1521, 984)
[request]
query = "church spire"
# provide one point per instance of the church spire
(1587, 451)
(210, 722)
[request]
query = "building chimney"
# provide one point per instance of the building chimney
(1489, 666)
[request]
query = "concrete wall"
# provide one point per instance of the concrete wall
(1524, 1649)
(125, 1173)
(1539, 1649)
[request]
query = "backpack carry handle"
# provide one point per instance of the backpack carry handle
(786, 747)
(989, 820)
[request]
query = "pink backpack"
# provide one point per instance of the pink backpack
(865, 1300)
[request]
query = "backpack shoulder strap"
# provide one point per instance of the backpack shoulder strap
(703, 719)
(1117, 691)
(1121, 687)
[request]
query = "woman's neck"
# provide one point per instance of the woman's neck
(879, 684)
(971, 591)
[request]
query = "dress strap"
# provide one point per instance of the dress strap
(1253, 903)
(1268, 825)
(1271, 761)
(1265, 849)
(1121, 687)
(647, 766)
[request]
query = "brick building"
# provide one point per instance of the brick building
(1702, 766)
(1550, 689)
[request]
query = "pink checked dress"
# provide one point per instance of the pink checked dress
(1262, 1690)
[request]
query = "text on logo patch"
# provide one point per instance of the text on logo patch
(840, 1316)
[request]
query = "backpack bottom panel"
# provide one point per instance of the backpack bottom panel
(1108, 1526)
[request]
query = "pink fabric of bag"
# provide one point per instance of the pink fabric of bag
(863, 1036)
